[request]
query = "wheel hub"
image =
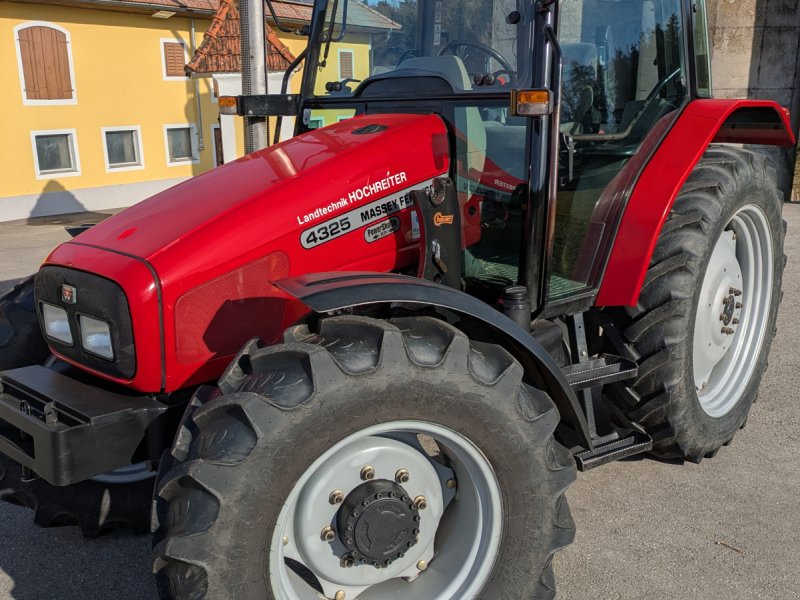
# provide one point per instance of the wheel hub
(377, 523)
(728, 306)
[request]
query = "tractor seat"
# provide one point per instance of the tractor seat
(471, 137)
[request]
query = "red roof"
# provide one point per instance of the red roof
(220, 51)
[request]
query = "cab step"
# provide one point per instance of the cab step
(621, 444)
(599, 370)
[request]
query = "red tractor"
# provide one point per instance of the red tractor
(365, 362)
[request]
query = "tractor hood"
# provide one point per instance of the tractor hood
(336, 198)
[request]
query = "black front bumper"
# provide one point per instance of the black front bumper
(66, 431)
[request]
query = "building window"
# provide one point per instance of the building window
(44, 60)
(55, 153)
(123, 148)
(181, 144)
(316, 123)
(216, 138)
(173, 54)
(346, 65)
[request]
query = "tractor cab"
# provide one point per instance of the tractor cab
(540, 196)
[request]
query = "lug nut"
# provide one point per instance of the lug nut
(735, 321)
(286, 540)
(722, 317)
(367, 473)
(735, 292)
(422, 565)
(451, 484)
(420, 503)
(328, 534)
(727, 331)
(726, 300)
(339, 595)
(347, 561)
(402, 476)
(738, 305)
(336, 497)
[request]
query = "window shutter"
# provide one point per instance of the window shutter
(45, 64)
(65, 88)
(346, 65)
(174, 59)
(26, 51)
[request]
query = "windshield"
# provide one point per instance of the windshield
(474, 45)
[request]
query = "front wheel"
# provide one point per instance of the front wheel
(369, 460)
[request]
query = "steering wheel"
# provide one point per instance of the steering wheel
(451, 48)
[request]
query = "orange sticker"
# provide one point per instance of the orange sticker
(439, 219)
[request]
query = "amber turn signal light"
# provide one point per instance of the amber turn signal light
(227, 105)
(531, 103)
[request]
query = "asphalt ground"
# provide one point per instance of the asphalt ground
(728, 528)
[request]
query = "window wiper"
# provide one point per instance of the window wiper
(340, 37)
(329, 34)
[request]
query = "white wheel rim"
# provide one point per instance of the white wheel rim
(459, 533)
(735, 300)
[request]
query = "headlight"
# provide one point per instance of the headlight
(96, 336)
(56, 323)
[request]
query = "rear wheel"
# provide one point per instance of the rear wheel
(370, 460)
(118, 499)
(706, 316)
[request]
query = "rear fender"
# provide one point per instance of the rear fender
(326, 292)
(702, 122)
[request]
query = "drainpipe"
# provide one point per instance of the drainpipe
(201, 144)
(254, 69)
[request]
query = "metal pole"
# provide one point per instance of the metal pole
(254, 69)
(201, 144)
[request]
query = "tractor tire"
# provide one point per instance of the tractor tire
(705, 319)
(95, 505)
(303, 435)
(21, 340)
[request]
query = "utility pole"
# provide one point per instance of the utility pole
(254, 69)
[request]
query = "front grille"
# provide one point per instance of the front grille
(95, 297)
